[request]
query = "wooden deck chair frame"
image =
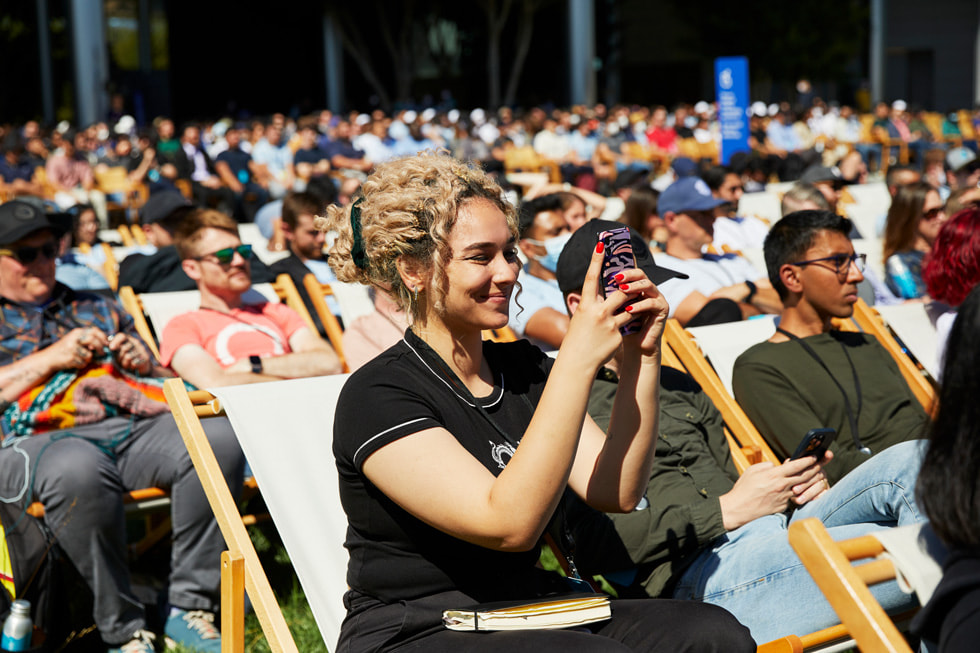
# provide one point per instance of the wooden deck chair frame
(284, 287)
(503, 334)
(871, 322)
(747, 444)
(747, 447)
(110, 269)
(318, 293)
(240, 566)
(241, 570)
(846, 586)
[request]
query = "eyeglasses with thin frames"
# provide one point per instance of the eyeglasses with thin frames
(841, 262)
(226, 255)
(26, 254)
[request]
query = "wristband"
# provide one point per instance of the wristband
(256, 364)
(752, 288)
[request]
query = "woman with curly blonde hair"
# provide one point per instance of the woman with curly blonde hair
(454, 453)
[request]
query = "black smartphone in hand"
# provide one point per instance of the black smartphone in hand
(814, 443)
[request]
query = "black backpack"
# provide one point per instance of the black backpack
(29, 560)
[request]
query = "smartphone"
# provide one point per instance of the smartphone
(814, 443)
(617, 256)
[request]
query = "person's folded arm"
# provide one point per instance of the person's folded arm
(195, 365)
(227, 176)
(311, 356)
(548, 326)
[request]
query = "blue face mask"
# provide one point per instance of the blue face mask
(553, 248)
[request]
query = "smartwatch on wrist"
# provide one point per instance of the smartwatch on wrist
(752, 288)
(256, 364)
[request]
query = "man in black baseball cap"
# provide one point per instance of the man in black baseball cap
(161, 270)
(28, 250)
(71, 365)
(577, 254)
(19, 219)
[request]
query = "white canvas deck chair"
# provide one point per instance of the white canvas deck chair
(152, 311)
(286, 431)
(871, 201)
(911, 553)
(914, 326)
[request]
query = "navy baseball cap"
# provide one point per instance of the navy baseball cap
(160, 205)
(577, 255)
(687, 194)
(19, 219)
(684, 167)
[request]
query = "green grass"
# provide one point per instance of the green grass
(288, 592)
(289, 595)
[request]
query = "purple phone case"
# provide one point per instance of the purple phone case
(618, 256)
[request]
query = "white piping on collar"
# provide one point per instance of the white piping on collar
(449, 385)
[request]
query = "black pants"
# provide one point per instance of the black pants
(638, 625)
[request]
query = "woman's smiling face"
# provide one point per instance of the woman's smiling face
(482, 269)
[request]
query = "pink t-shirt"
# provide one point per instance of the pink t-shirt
(255, 329)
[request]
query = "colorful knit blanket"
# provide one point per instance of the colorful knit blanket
(75, 397)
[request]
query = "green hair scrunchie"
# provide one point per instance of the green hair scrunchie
(357, 250)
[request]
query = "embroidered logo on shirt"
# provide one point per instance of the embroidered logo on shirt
(502, 453)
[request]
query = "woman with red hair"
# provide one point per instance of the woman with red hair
(952, 269)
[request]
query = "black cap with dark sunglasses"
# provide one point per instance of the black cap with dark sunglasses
(20, 219)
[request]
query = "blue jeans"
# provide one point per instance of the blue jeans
(754, 573)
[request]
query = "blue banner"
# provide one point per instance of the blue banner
(732, 94)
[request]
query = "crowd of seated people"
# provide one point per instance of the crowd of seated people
(684, 205)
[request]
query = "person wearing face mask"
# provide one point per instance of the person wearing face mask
(537, 311)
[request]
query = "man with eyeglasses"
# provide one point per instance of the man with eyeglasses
(809, 375)
(721, 287)
(230, 341)
(82, 409)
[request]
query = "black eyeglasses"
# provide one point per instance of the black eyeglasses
(842, 262)
(27, 254)
(226, 255)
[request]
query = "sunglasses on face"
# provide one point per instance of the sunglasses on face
(933, 213)
(27, 254)
(841, 263)
(226, 255)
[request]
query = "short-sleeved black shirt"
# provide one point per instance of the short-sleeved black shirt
(405, 390)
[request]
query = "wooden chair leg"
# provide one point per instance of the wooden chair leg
(232, 603)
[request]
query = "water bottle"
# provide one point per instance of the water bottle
(17, 629)
(902, 277)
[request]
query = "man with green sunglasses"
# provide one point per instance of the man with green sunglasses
(233, 339)
(160, 270)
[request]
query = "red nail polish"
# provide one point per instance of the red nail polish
(599, 247)
(624, 287)
(628, 308)
(619, 277)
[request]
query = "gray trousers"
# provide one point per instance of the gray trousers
(80, 475)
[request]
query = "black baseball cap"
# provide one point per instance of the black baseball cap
(160, 205)
(577, 254)
(19, 219)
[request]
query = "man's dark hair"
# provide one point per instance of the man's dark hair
(324, 188)
(531, 208)
(893, 171)
(296, 204)
(791, 237)
(715, 176)
(172, 220)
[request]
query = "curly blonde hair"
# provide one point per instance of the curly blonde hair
(408, 207)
